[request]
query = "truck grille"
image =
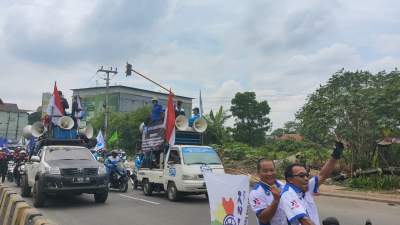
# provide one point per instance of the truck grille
(73, 172)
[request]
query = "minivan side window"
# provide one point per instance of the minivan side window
(174, 157)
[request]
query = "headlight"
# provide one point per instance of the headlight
(190, 177)
(102, 170)
(53, 170)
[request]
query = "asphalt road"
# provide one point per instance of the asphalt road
(134, 208)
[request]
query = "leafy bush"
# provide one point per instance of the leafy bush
(377, 182)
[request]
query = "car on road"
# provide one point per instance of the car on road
(182, 173)
(63, 167)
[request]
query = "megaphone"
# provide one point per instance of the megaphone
(181, 123)
(37, 129)
(87, 131)
(200, 125)
(66, 123)
(26, 132)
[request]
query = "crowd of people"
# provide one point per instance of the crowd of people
(18, 156)
(157, 112)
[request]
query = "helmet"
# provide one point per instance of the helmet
(22, 152)
(154, 99)
(114, 153)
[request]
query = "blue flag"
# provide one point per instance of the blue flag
(100, 142)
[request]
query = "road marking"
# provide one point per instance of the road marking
(143, 200)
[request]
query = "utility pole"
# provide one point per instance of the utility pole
(107, 79)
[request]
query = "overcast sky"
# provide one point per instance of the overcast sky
(282, 50)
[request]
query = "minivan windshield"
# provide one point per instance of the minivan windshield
(200, 155)
(68, 153)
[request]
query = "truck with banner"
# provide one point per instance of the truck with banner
(176, 166)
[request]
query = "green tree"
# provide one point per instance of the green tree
(251, 121)
(216, 132)
(35, 116)
(127, 125)
(357, 106)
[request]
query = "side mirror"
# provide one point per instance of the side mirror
(35, 158)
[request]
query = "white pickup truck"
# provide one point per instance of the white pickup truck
(181, 174)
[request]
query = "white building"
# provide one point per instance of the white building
(12, 121)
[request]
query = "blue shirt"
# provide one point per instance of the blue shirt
(192, 119)
(156, 112)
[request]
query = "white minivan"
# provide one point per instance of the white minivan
(181, 173)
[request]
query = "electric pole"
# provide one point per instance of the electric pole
(107, 79)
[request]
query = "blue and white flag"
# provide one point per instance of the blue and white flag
(228, 205)
(100, 142)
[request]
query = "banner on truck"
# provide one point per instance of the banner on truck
(153, 138)
(228, 205)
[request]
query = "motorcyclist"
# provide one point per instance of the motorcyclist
(111, 162)
(22, 158)
(3, 164)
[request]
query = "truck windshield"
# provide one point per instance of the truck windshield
(200, 155)
(68, 153)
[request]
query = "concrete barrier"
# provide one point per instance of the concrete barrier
(5, 204)
(10, 213)
(15, 211)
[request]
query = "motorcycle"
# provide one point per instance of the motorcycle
(19, 172)
(10, 171)
(119, 177)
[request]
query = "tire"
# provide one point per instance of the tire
(38, 196)
(18, 181)
(124, 186)
(172, 192)
(101, 197)
(25, 189)
(147, 187)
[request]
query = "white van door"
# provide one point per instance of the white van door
(173, 170)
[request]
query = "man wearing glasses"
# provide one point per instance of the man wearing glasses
(265, 196)
(297, 199)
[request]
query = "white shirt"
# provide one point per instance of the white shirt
(260, 198)
(297, 204)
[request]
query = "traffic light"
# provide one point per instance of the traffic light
(128, 71)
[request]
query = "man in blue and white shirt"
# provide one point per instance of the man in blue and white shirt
(297, 197)
(265, 196)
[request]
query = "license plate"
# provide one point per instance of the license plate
(81, 180)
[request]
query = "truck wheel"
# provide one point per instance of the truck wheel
(147, 187)
(172, 192)
(25, 189)
(101, 197)
(135, 184)
(38, 196)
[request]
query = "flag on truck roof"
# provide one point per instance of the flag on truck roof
(55, 110)
(169, 120)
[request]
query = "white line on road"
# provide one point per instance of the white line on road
(143, 200)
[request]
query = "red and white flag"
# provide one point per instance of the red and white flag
(169, 120)
(55, 110)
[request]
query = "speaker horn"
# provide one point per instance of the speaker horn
(200, 125)
(87, 131)
(26, 132)
(37, 129)
(181, 123)
(66, 123)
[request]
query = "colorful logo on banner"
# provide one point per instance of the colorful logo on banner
(225, 211)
